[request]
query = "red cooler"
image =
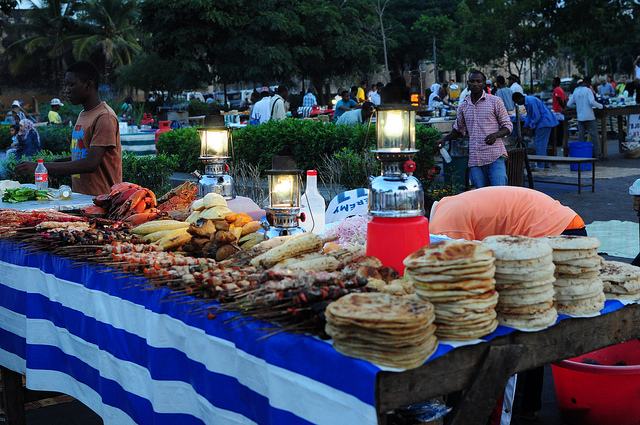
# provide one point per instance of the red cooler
(392, 239)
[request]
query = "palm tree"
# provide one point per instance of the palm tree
(43, 36)
(106, 33)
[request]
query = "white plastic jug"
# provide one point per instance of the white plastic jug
(312, 204)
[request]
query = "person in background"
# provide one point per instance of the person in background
(374, 94)
(344, 104)
(514, 84)
(439, 99)
(28, 139)
(16, 114)
(14, 129)
(361, 93)
(53, 116)
(621, 86)
(353, 93)
(261, 110)
(435, 88)
(605, 89)
(357, 116)
(505, 93)
(584, 102)
(253, 99)
(485, 118)
(558, 97)
(95, 164)
(610, 81)
(540, 119)
(277, 104)
(309, 99)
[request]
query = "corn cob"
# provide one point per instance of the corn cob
(307, 242)
(156, 236)
(158, 225)
(320, 263)
(298, 258)
(174, 239)
(348, 255)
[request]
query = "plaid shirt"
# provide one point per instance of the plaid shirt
(487, 116)
(309, 100)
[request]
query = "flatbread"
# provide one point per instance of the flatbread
(534, 309)
(595, 262)
(460, 333)
(515, 300)
(536, 262)
(568, 242)
(373, 308)
(524, 285)
(451, 268)
(575, 270)
(541, 270)
(588, 286)
(448, 252)
(441, 277)
(526, 291)
(617, 271)
(517, 247)
(628, 287)
(561, 255)
(528, 321)
(585, 275)
(487, 284)
(584, 307)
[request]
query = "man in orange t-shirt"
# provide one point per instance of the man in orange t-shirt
(503, 210)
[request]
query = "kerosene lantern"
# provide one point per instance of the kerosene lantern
(398, 226)
(214, 153)
(283, 211)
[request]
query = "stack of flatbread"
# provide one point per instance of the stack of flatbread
(621, 281)
(579, 289)
(383, 329)
(457, 277)
(524, 280)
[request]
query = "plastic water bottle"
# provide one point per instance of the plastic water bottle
(312, 205)
(42, 176)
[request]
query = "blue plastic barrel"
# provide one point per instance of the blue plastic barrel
(580, 150)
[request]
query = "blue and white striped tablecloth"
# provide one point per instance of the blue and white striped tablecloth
(135, 359)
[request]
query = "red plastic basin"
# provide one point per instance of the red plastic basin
(600, 395)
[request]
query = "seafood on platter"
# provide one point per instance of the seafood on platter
(123, 202)
(179, 198)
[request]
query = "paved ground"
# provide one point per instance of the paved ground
(610, 201)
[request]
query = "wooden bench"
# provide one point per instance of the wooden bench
(570, 160)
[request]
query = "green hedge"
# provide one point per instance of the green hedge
(152, 172)
(308, 141)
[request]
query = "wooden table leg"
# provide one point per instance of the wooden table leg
(13, 397)
(603, 124)
(579, 177)
(593, 177)
(565, 140)
(482, 394)
(621, 135)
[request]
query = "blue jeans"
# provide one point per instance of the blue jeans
(540, 142)
(590, 127)
(494, 174)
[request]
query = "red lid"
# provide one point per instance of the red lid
(312, 173)
(40, 160)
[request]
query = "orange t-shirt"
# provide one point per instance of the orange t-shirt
(97, 127)
(500, 210)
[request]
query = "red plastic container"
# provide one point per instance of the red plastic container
(162, 127)
(600, 395)
(393, 239)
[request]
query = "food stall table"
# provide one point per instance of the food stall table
(133, 356)
(601, 114)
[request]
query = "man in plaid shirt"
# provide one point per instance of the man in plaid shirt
(485, 118)
(309, 99)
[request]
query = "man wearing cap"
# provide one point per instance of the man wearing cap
(16, 114)
(514, 82)
(584, 101)
(54, 116)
